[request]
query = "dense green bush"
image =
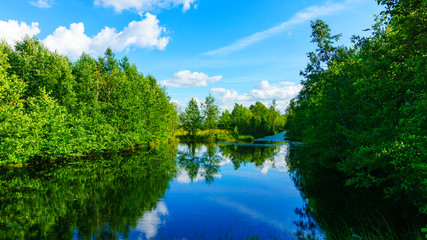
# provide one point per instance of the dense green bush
(362, 110)
(52, 108)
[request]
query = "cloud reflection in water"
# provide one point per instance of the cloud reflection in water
(152, 220)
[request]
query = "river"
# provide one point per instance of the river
(175, 191)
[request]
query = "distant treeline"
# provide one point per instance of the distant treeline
(256, 121)
(52, 108)
(362, 112)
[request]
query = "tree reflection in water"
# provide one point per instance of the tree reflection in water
(242, 154)
(204, 165)
(204, 160)
(95, 198)
(345, 212)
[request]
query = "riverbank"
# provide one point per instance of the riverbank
(215, 135)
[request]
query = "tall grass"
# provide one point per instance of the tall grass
(374, 229)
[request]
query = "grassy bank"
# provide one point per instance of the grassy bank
(215, 135)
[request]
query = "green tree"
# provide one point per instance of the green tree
(41, 69)
(15, 143)
(51, 108)
(225, 120)
(361, 109)
(191, 119)
(210, 113)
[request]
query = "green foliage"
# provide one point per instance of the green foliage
(210, 113)
(51, 108)
(362, 109)
(191, 118)
(424, 230)
(255, 121)
(225, 120)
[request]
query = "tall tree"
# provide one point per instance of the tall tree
(274, 115)
(225, 121)
(210, 113)
(191, 119)
(373, 94)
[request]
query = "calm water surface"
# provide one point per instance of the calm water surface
(185, 191)
(226, 190)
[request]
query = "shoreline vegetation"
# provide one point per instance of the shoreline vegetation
(52, 108)
(204, 122)
(216, 135)
(361, 114)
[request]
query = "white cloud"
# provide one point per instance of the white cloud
(263, 91)
(151, 221)
(300, 17)
(12, 31)
(187, 78)
(144, 5)
(73, 41)
(42, 3)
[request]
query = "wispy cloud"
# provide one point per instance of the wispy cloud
(299, 18)
(144, 5)
(252, 213)
(42, 3)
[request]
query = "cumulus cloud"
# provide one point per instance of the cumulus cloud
(152, 220)
(73, 41)
(13, 31)
(42, 3)
(187, 78)
(300, 17)
(263, 91)
(144, 5)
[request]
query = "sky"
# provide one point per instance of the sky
(239, 51)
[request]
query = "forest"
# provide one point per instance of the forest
(53, 108)
(362, 111)
(253, 122)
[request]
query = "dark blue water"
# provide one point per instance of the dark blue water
(251, 200)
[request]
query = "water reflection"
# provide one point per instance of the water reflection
(198, 164)
(263, 156)
(152, 221)
(202, 162)
(343, 211)
(250, 186)
(100, 198)
(157, 194)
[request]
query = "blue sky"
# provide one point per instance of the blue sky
(239, 51)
